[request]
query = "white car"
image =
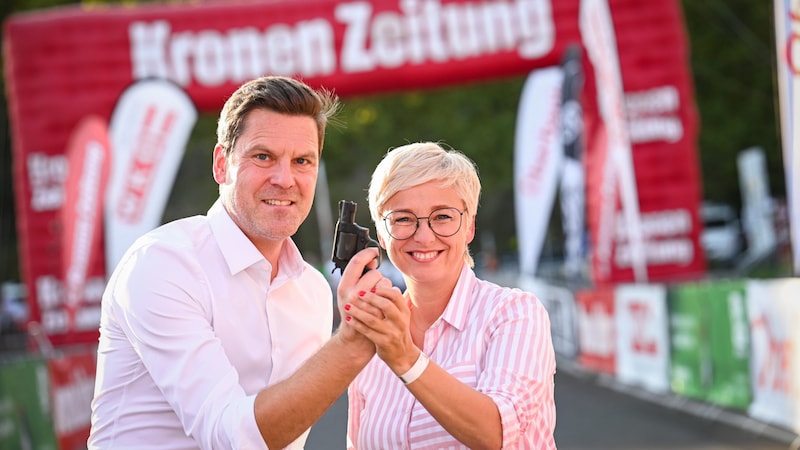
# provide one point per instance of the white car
(721, 238)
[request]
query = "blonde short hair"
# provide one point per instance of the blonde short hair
(418, 163)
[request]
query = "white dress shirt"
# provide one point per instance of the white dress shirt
(491, 338)
(192, 329)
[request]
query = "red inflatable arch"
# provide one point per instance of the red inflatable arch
(65, 64)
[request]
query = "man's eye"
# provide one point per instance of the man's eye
(303, 161)
(262, 157)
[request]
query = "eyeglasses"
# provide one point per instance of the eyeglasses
(443, 222)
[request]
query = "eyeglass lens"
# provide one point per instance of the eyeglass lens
(443, 222)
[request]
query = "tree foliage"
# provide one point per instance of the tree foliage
(732, 46)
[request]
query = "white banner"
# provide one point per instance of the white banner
(773, 312)
(537, 160)
(757, 214)
(787, 35)
(642, 335)
(149, 129)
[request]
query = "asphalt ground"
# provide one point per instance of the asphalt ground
(597, 413)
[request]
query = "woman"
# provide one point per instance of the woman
(461, 362)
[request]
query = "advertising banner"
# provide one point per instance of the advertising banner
(72, 389)
(89, 161)
(25, 410)
(642, 336)
(538, 156)
(710, 342)
(729, 344)
(787, 38)
(661, 127)
(354, 48)
(149, 129)
(548, 158)
(757, 210)
(614, 152)
(690, 369)
(773, 313)
(597, 329)
(573, 178)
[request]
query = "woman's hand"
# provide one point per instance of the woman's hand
(382, 315)
(351, 285)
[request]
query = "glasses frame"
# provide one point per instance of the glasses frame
(428, 219)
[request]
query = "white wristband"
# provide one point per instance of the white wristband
(416, 370)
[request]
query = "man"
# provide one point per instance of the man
(215, 333)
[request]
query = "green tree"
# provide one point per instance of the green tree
(733, 63)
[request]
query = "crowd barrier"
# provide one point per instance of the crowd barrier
(729, 343)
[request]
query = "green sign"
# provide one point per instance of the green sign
(730, 344)
(690, 363)
(710, 343)
(25, 415)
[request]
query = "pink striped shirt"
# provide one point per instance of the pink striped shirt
(494, 339)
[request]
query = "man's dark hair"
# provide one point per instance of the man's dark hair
(283, 95)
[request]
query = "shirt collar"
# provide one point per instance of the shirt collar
(240, 253)
(457, 309)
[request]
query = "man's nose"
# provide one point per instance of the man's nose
(282, 174)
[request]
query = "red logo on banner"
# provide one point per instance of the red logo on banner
(596, 329)
(143, 164)
(774, 372)
(794, 39)
(642, 342)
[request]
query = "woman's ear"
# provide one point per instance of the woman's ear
(380, 241)
(470, 228)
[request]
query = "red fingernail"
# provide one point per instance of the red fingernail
(373, 290)
(347, 307)
(348, 318)
(361, 294)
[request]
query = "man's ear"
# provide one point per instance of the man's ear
(220, 164)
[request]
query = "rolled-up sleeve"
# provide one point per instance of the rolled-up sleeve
(519, 369)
